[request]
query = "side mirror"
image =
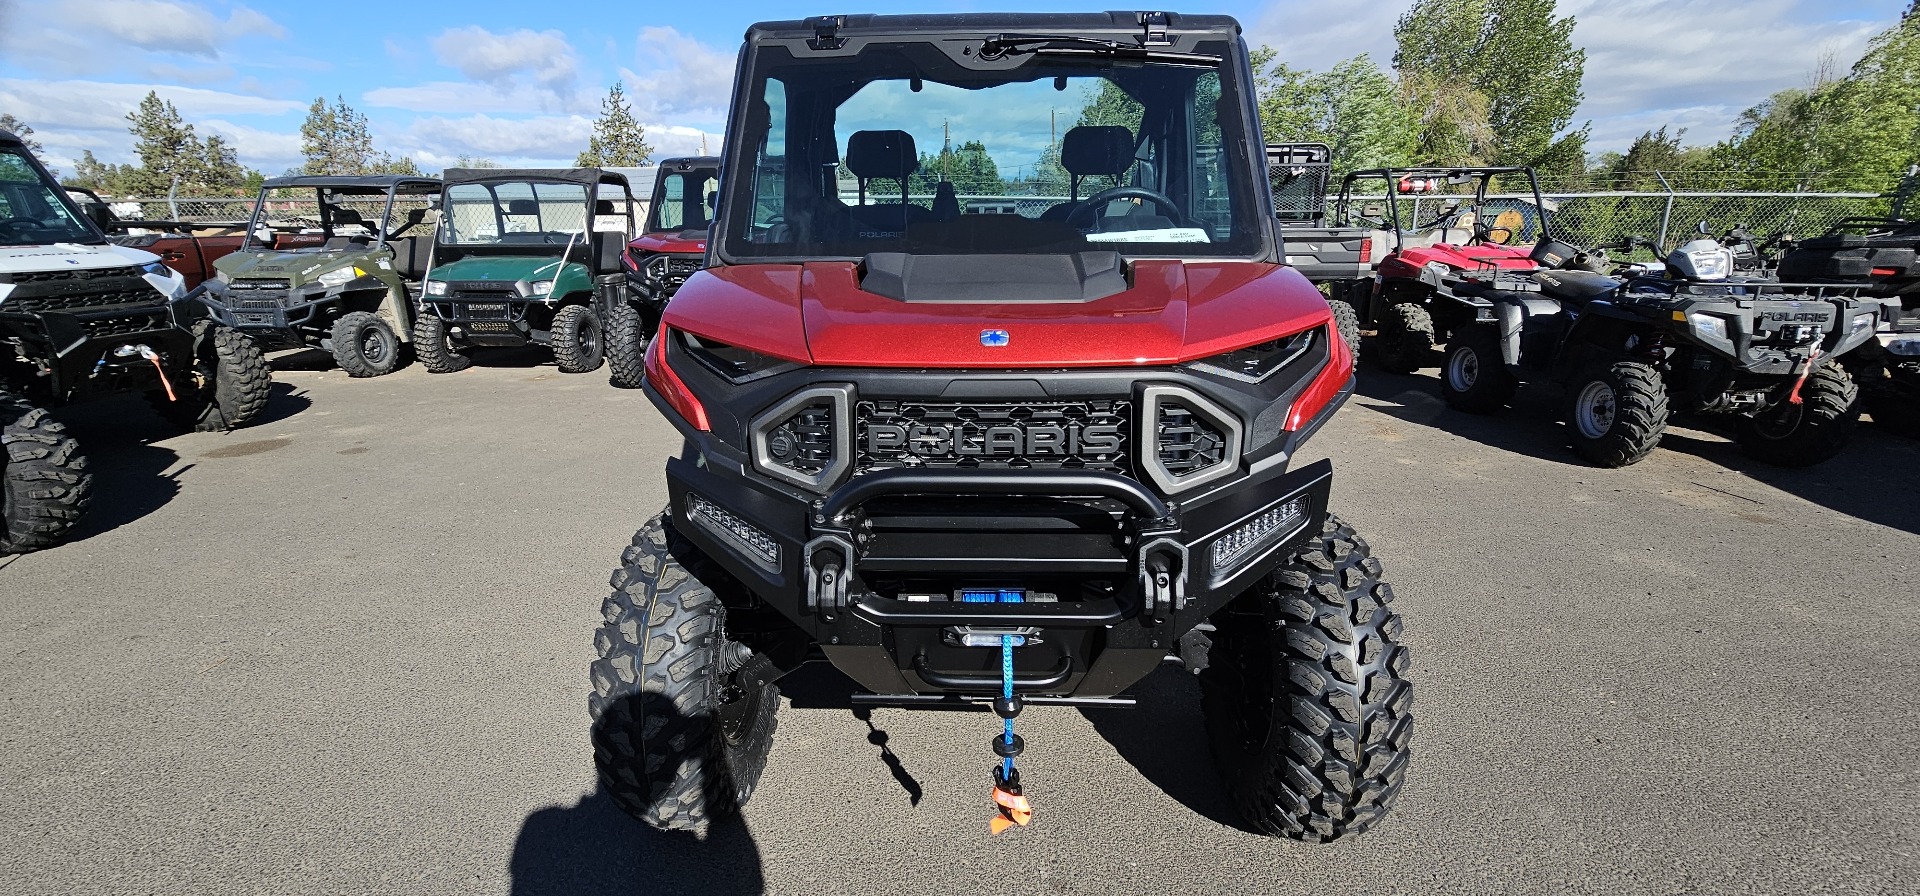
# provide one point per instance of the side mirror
(100, 214)
(1702, 228)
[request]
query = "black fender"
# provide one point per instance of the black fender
(1516, 312)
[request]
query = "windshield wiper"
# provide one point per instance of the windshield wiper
(1087, 47)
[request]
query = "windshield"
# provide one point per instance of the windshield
(901, 149)
(514, 212)
(681, 200)
(30, 213)
(331, 219)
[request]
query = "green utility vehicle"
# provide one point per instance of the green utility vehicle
(332, 262)
(525, 256)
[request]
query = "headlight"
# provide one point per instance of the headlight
(542, 287)
(157, 269)
(436, 287)
(806, 439)
(1864, 323)
(1255, 363)
(738, 365)
(223, 276)
(1706, 326)
(332, 279)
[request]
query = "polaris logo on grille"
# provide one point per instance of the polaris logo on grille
(994, 441)
(1785, 316)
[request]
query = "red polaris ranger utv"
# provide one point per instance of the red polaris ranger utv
(1012, 427)
(669, 250)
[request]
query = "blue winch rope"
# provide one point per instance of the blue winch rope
(1006, 690)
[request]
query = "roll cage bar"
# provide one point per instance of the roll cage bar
(1480, 177)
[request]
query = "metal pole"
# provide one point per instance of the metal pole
(1666, 215)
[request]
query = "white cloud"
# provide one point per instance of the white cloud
(458, 97)
(677, 78)
(543, 56)
(72, 37)
(1315, 34)
(549, 138)
(71, 116)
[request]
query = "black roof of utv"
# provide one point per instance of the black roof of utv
(8, 139)
(368, 183)
(984, 23)
(587, 176)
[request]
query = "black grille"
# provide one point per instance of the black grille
(1186, 442)
(74, 275)
(489, 287)
(257, 303)
(804, 442)
(281, 284)
(80, 301)
(485, 310)
(127, 325)
(1048, 435)
(672, 270)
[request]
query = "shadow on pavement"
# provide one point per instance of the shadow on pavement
(1531, 427)
(1165, 738)
(131, 478)
(821, 686)
(283, 401)
(593, 847)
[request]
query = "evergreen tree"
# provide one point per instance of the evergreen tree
(335, 139)
(171, 155)
(25, 132)
(618, 140)
(1354, 108)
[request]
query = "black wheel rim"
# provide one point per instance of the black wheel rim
(374, 344)
(1779, 421)
(589, 337)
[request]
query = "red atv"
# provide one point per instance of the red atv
(1012, 426)
(1452, 249)
(668, 251)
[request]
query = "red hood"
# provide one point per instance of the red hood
(676, 241)
(817, 313)
(1469, 257)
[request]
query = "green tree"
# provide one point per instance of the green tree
(1354, 108)
(1498, 80)
(335, 139)
(25, 132)
(618, 139)
(171, 155)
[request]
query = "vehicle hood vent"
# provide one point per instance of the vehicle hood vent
(994, 279)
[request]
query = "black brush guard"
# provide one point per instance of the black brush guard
(1086, 645)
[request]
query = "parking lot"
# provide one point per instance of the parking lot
(345, 651)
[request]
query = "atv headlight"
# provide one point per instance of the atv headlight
(1255, 363)
(340, 277)
(157, 269)
(1706, 326)
(738, 365)
(1864, 323)
(541, 287)
(223, 276)
(1194, 441)
(436, 288)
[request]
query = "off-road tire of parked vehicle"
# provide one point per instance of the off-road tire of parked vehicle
(626, 348)
(1813, 431)
(1474, 378)
(1307, 704)
(1347, 321)
(1403, 338)
(433, 347)
(46, 484)
(579, 341)
(365, 345)
(1639, 414)
(665, 667)
(235, 383)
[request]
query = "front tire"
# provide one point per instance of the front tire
(1346, 321)
(626, 347)
(1307, 704)
(44, 483)
(682, 727)
(1617, 413)
(433, 345)
(1811, 432)
(578, 346)
(1403, 338)
(1475, 378)
(365, 346)
(229, 385)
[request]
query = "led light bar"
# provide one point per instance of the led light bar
(1248, 539)
(758, 546)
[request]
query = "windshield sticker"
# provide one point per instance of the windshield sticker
(1173, 235)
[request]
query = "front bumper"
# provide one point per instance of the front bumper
(504, 321)
(79, 348)
(871, 578)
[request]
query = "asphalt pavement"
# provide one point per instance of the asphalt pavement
(345, 651)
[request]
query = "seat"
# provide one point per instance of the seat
(1575, 288)
(1091, 151)
(946, 205)
(412, 255)
(888, 155)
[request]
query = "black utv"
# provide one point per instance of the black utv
(1690, 338)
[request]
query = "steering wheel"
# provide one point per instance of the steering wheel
(1092, 204)
(17, 222)
(1483, 234)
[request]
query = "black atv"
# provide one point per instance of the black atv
(1684, 337)
(81, 318)
(666, 253)
(1882, 255)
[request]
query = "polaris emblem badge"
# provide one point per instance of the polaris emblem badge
(994, 338)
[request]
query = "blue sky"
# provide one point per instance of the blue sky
(521, 82)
